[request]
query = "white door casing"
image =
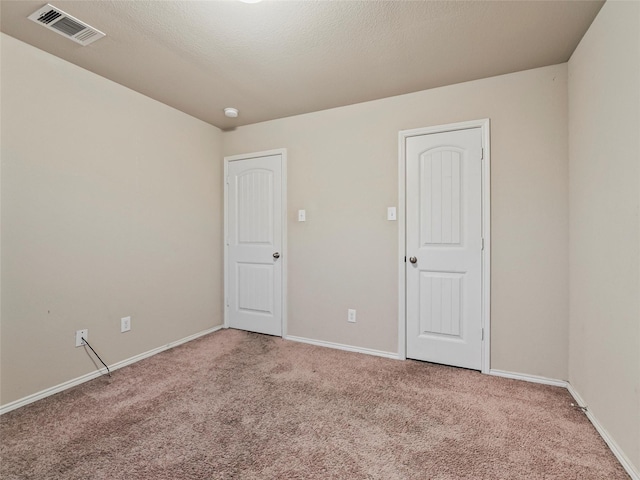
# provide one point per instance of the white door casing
(446, 214)
(255, 256)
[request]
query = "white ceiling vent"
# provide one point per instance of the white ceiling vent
(60, 22)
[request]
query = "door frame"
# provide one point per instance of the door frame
(484, 125)
(283, 257)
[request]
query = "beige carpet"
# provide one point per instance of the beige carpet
(247, 406)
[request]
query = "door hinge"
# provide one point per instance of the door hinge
(483, 243)
(481, 155)
(226, 300)
(482, 335)
(227, 180)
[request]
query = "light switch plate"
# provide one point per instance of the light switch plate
(302, 216)
(391, 213)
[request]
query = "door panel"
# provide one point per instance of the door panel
(254, 213)
(440, 303)
(444, 234)
(255, 288)
(440, 197)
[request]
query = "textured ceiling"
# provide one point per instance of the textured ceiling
(280, 58)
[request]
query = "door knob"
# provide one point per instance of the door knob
(413, 259)
(276, 255)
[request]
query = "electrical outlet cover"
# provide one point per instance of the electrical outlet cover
(125, 324)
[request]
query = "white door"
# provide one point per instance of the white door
(254, 244)
(444, 247)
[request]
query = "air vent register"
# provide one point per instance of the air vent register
(60, 22)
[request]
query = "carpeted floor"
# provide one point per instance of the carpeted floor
(241, 405)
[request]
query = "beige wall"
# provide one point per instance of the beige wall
(604, 119)
(111, 206)
(343, 170)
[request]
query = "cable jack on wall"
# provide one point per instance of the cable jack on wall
(579, 407)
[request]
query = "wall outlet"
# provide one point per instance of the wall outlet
(80, 334)
(351, 315)
(125, 324)
(302, 216)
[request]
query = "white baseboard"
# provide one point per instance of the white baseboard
(529, 378)
(95, 374)
(340, 346)
(617, 451)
